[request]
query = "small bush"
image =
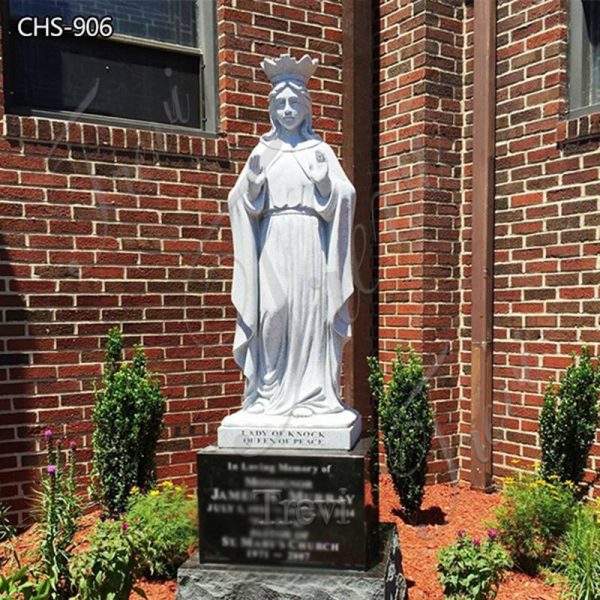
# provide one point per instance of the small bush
(578, 557)
(60, 509)
(166, 521)
(569, 421)
(472, 569)
(19, 585)
(7, 530)
(18, 581)
(128, 418)
(406, 420)
(107, 570)
(533, 517)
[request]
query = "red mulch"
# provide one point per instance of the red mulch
(156, 590)
(446, 509)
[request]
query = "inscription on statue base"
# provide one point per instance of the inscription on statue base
(245, 430)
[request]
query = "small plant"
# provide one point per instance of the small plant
(406, 420)
(533, 517)
(19, 585)
(107, 570)
(166, 521)
(8, 532)
(569, 420)
(128, 418)
(578, 557)
(60, 509)
(471, 569)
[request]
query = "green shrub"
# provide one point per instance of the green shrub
(533, 517)
(109, 567)
(569, 420)
(59, 511)
(19, 585)
(166, 521)
(7, 530)
(128, 418)
(406, 420)
(471, 569)
(578, 557)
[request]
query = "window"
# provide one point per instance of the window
(157, 69)
(584, 57)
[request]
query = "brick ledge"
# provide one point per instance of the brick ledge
(60, 131)
(579, 129)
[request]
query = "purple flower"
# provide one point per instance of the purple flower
(492, 534)
(48, 433)
(124, 526)
(51, 469)
(476, 542)
(461, 533)
(72, 445)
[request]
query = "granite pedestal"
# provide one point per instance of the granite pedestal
(383, 581)
(282, 524)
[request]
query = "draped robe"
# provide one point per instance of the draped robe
(292, 280)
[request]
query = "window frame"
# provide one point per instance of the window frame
(576, 62)
(207, 77)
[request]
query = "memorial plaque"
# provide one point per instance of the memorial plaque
(296, 508)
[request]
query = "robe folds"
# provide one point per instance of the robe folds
(292, 280)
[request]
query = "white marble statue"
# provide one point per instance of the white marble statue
(291, 214)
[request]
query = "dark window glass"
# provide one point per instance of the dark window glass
(584, 56)
(172, 21)
(592, 30)
(141, 79)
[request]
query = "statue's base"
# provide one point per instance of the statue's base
(384, 581)
(292, 508)
(337, 431)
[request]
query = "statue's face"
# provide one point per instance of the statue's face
(290, 109)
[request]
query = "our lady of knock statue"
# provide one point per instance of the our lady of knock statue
(291, 214)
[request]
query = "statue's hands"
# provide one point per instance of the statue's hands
(319, 173)
(256, 176)
(319, 170)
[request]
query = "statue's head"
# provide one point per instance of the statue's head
(290, 106)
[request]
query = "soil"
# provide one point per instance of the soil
(446, 509)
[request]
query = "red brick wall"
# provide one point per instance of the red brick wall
(547, 236)
(104, 226)
(108, 226)
(546, 212)
(420, 129)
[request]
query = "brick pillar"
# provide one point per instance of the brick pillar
(420, 183)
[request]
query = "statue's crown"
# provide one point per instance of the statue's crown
(287, 67)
